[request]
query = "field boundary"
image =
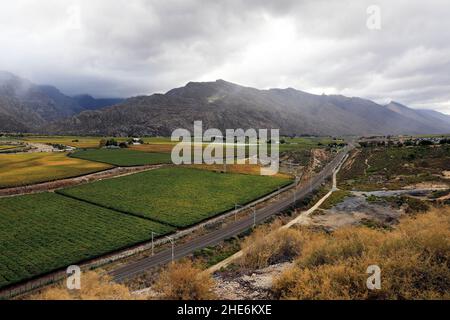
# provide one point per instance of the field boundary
(56, 184)
(113, 209)
(71, 155)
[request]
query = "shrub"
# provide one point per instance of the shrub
(94, 286)
(269, 245)
(111, 142)
(183, 281)
(102, 143)
(415, 205)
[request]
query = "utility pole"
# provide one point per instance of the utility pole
(173, 249)
(254, 216)
(153, 245)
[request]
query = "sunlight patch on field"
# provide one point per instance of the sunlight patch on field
(28, 168)
(7, 147)
(73, 141)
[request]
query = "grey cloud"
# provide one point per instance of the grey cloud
(125, 48)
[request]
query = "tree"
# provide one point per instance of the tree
(111, 142)
(425, 143)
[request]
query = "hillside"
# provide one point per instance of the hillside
(25, 106)
(222, 105)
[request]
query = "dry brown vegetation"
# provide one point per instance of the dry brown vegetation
(183, 281)
(157, 147)
(269, 245)
(94, 286)
(414, 259)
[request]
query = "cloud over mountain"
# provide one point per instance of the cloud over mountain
(123, 48)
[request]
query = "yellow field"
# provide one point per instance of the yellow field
(154, 147)
(91, 142)
(78, 142)
(6, 147)
(29, 168)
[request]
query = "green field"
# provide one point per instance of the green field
(43, 232)
(306, 143)
(177, 196)
(123, 157)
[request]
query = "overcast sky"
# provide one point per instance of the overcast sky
(121, 48)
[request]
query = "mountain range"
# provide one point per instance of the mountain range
(27, 107)
(219, 104)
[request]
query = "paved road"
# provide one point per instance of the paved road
(217, 236)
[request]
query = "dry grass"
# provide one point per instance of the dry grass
(154, 147)
(27, 168)
(183, 281)
(414, 259)
(269, 245)
(74, 141)
(93, 287)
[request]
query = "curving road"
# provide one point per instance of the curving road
(217, 236)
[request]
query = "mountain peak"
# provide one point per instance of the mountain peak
(5, 75)
(29, 105)
(392, 102)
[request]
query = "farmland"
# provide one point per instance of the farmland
(74, 141)
(122, 157)
(306, 143)
(154, 147)
(246, 168)
(27, 168)
(43, 232)
(176, 196)
(6, 147)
